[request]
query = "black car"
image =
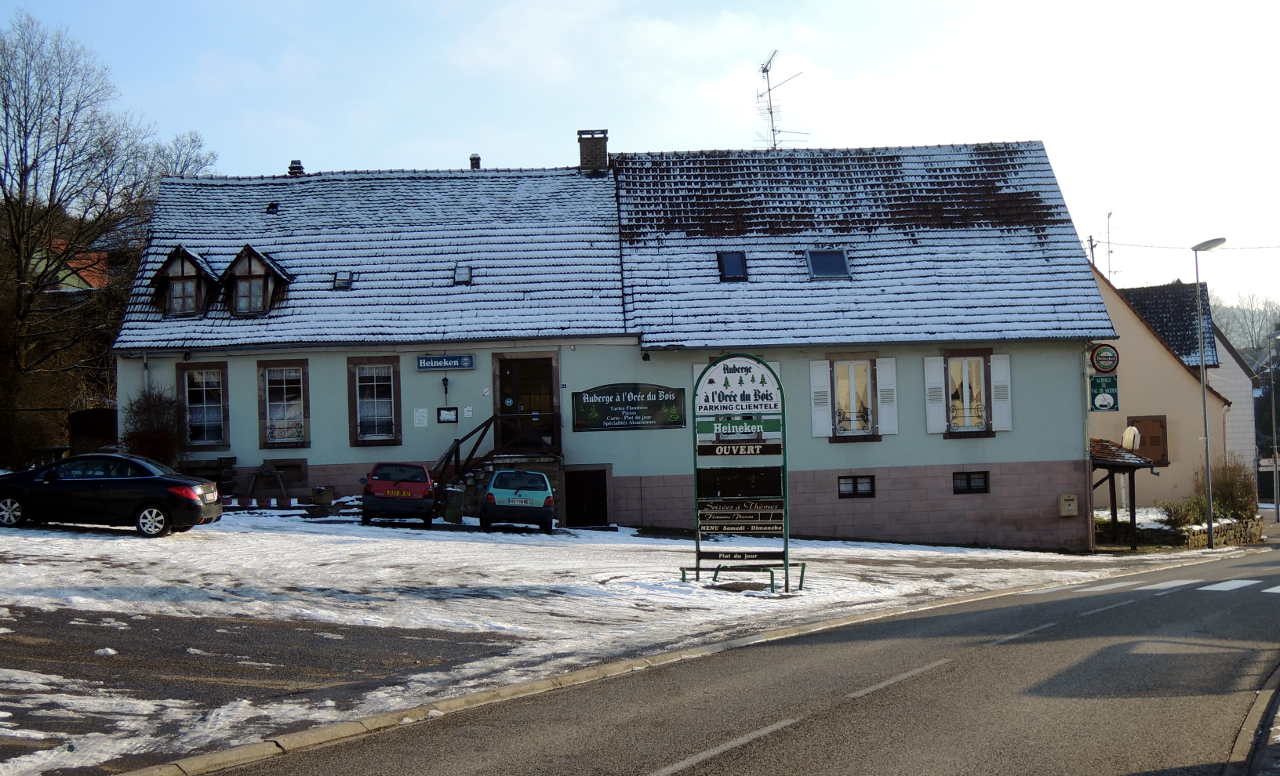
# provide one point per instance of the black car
(109, 489)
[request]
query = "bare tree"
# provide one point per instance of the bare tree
(1249, 324)
(74, 171)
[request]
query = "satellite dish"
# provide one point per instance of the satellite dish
(1132, 438)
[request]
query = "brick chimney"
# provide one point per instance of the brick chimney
(593, 150)
(295, 168)
(475, 161)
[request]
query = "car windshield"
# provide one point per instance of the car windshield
(399, 472)
(520, 481)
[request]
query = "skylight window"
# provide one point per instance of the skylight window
(733, 265)
(342, 281)
(461, 276)
(828, 264)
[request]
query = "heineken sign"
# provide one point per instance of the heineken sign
(623, 406)
(438, 363)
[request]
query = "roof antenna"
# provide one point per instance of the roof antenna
(766, 99)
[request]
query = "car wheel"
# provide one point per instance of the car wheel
(10, 512)
(153, 522)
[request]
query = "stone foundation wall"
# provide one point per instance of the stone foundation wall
(911, 504)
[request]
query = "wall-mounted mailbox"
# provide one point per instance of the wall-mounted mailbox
(1068, 505)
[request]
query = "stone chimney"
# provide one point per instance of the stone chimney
(295, 168)
(475, 161)
(593, 150)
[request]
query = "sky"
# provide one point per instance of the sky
(1162, 114)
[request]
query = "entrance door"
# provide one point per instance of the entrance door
(586, 497)
(527, 416)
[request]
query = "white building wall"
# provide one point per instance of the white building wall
(1232, 381)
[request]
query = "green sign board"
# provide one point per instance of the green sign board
(1104, 393)
(623, 406)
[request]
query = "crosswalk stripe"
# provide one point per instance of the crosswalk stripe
(1232, 584)
(1272, 590)
(1170, 584)
(1100, 588)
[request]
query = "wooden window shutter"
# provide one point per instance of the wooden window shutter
(887, 395)
(1001, 394)
(1154, 437)
(820, 397)
(935, 395)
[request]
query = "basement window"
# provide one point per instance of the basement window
(828, 264)
(970, 482)
(857, 486)
(733, 265)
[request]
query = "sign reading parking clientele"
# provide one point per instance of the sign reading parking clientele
(442, 363)
(738, 418)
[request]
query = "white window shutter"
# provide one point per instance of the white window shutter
(820, 397)
(935, 395)
(887, 395)
(1001, 394)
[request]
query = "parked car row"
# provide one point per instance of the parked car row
(120, 490)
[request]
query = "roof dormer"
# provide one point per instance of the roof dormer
(253, 283)
(184, 284)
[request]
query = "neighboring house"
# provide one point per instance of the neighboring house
(1234, 379)
(928, 310)
(1159, 387)
(1170, 310)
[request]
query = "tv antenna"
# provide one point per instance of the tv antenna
(766, 97)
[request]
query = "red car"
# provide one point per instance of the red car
(397, 490)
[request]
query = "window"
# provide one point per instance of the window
(461, 275)
(283, 404)
(182, 296)
(203, 388)
(968, 394)
(854, 394)
(1154, 437)
(854, 397)
(856, 486)
(251, 295)
(970, 482)
(828, 264)
(373, 399)
(733, 265)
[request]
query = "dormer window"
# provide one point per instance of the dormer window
(182, 284)
(254, 282)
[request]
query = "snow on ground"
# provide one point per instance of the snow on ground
(572, 597)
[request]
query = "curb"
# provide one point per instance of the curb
(322, 735)
(1253, 751)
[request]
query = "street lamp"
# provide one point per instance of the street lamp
(1275, 458)
(1207, 245)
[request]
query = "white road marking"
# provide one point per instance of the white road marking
(1272, 590)
(896, 679)
(1232, 584)
(1170, 584)
(1048, 590)
(1020, 635)
(689, 762)
(1104, 608)
(1100, 588)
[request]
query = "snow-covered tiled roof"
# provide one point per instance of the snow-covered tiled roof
(542, 246)
(1170, 311)
(946, 243)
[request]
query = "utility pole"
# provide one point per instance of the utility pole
(1092, 259)
(1109, 245)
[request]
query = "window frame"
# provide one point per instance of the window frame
(814, 275)
(353, 411)
(726, 275)
(242, 281)
(264, 404)
(853, 480)
(183, 369)
(1163, 420)
(873, 420)
(968, 488)
(170, 297)
(987, 429)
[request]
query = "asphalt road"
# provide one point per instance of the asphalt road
(1148, 674)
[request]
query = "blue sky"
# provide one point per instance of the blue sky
(1163, 113)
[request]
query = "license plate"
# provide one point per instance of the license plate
(400, 493)
(518, 501)
(209, 498)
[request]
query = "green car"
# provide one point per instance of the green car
(518, 496)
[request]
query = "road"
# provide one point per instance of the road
(1146, 674)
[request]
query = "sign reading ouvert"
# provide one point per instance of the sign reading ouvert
(740, 482)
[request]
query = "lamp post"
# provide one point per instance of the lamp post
(1207, 245)
(1275, 458)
